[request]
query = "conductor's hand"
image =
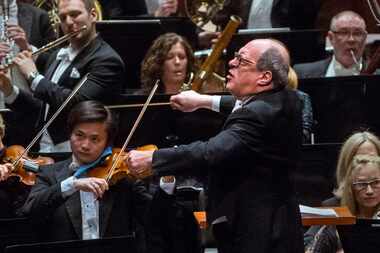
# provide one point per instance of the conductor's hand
(189, 101)
(92, 184)
(25, 63)
(5, 171)
(140, 163)
(5, 82)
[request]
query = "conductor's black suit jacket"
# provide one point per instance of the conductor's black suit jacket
(250, 164)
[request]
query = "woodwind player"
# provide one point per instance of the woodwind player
(86, 53)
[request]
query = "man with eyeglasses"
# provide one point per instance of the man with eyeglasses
(251, 200)
(347, 35)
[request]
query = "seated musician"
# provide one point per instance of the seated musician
(360, 191)
(86, 53)
(347, 35)
(28, 28)
(12, 196)
(68, 205)
(360, 143)
(170, 59)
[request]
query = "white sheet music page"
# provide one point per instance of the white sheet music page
(317, 211)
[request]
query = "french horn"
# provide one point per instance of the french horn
(201, 12)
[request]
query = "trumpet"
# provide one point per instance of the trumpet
(52, 44)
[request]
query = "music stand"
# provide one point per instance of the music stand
(361, 237)
(15, 231)
(132, 37)
(106, 245)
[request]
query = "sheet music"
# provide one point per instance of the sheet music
(317, 211)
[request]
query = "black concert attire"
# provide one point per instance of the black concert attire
(250, 162)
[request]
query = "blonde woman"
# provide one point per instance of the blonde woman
(360, 193)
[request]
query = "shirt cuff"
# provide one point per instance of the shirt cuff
(215, 103)
(67, 186)
(167, 187)
(12, 97)
(36, 81)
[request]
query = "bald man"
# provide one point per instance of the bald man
(252, 206)
(348, 36)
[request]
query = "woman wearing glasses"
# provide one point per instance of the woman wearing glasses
(361, 144)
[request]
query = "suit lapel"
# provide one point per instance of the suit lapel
(52, 68)
(72, 204)
(105, 208)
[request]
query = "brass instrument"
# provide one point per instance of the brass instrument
(53, 44)
(208, 65)
(51, 6)
(201, 12)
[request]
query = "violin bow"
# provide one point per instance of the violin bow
(137, 122)
(53, 117)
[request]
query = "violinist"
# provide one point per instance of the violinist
(251, 204)
(86, 53)
(68, 205)
(12, 193)
(347, 35)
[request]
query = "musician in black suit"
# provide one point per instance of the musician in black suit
(252, 205)
(87, 53)
(347, 35)
(69, 204)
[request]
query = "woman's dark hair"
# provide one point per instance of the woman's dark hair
(152, 65)
(92, 111)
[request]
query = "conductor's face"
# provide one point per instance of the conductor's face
(243, 78)
(88, 140)
(74, 15)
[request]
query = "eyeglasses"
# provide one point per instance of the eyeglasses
(241, 59)
(362, 185)
(345, 34)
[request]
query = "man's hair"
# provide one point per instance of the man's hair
(350, 14)
(88, 4)
(92, 111)
(272, 60)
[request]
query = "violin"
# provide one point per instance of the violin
(115, 168)
(26, 168)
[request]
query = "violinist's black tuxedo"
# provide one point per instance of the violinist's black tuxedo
(60, 218)
(296, 14)
(250, 164)
(104, 84)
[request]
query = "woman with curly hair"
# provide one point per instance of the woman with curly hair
(170, 59)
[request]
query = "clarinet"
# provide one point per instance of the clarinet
(4, 35)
